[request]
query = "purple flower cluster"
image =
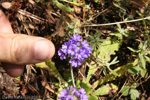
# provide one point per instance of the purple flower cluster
(76, 49)
(73, 94)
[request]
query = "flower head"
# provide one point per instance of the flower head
(76, 49)
(73, 94)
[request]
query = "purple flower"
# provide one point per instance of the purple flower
(62, 98)
(72, 89)
(76, 49)
(77, 93)
(73, 93)
(81, 54)
(75, 62)
(84, 43)
(72, 50)
(85, 46)
(62, 54)
(69, 97)
(82, 91)
(83, 97)
(64, 93)
(76, 37)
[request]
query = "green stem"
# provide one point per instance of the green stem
(72, 76)
(145, 27)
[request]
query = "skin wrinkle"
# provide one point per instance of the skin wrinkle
(5, 31)
(14, 49)
(21, 51)
(17, 50)
(18, 47)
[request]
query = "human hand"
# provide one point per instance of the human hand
(16, 50)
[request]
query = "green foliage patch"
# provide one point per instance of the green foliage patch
(120, 51)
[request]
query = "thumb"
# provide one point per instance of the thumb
(22, 49)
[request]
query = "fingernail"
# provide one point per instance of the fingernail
(42, 50)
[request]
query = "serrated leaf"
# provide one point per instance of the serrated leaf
(92, 98)
(134, 94)
(107, 47)
(91, 71)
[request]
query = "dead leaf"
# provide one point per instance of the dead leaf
(46, 85)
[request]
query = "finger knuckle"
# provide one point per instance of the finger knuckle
(15, 51)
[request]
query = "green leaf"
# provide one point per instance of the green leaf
(113, 72)
(97, 1)
(74, 2)
(131, 49)
(117, 5)
(92, 98)
(134, 94)
(17, 78)
(91, 71)
(140, 45)
(104, 90)
(142, 60)
(114, 61)
(63, 7)
(147, 59)
(86, 86)
(120, 71)
(134, 85)
(51, 66)
(134, 70)
(78, 84)
(108, 47)
(143, 72)
(125, 91)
